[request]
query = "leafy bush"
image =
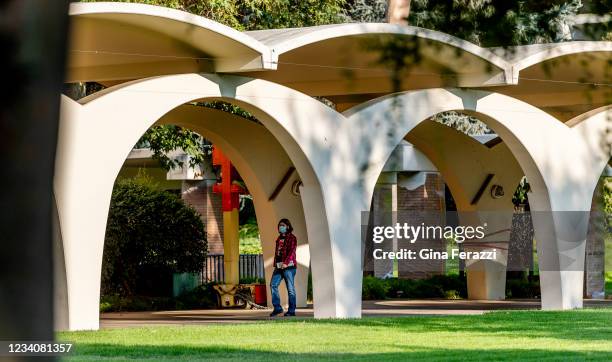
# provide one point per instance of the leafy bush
(118, 303)
(150, 235)
(202, 297)
(437, 286)
(374, 288)
(452, 294)
(522, 288)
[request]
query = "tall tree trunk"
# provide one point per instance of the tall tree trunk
(397, 12)
(33, 43)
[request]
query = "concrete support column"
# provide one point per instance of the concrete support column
(561, 242)
(335, 249)
(82, 213)
(486, 279)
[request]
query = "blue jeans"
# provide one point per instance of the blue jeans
(289, 275)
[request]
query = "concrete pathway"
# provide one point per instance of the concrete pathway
(382, 308)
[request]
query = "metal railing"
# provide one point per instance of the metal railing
(249, 266)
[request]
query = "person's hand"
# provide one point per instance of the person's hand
(284, 266)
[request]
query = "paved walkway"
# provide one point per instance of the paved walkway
(384, 308)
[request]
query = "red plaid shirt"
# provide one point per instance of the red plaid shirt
(285, 249)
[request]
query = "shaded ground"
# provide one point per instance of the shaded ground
(385, 308)
(500, 335)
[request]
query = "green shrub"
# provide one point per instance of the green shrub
(374, 288)
(452, 294)
(437, 286)
(150, 235)
(450, 283)
(105, 307)
(401, 288)
(117, 303)
(522, 288)
(202, 297)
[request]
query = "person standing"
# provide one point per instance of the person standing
(284, 268)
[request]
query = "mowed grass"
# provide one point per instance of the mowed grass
(516, 335)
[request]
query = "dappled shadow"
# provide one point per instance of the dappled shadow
(407, 352)
(587, 324)
(573, 335)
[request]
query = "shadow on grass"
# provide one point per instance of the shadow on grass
(585, 324)
(179, 352)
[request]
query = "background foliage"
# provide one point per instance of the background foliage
(498, 22)
(257, 14)
(150, 235)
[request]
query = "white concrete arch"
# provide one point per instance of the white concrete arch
(114, 41)
(465, 164)
(285, 40)
(344, 59)
(262, 163)
(523, 57)
(119, 115)
(564, 79)
(589, 115)
(561, 163)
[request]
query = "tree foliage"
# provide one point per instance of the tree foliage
(257, 14)
(606, 200)
(463, 123)
(365, 11)
(498, 22)
(162, 140)
(150, 235)
(520, 196)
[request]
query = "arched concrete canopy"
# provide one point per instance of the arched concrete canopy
(523, 58)
(597, 112)
(465, 163)
(562, 164)
(342, 59)
(301, 124)
(112, 41)
(262, 163)
(560, 78)
(116, 42)
(501, 112)
(257, 155)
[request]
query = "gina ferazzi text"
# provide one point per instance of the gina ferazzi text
(430, 254)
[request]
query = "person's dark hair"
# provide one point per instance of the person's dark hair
(286, 222)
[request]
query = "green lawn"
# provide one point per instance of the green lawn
(517, 335)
